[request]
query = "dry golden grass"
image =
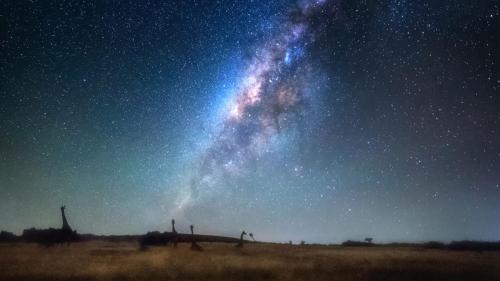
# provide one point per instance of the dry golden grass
(124, 261)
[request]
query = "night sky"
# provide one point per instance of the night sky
(316, 120)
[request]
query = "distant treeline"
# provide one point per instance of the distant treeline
(465, 245)
(56, 236)
(163, 238)
(50, 236)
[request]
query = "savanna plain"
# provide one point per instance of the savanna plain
(99, 260)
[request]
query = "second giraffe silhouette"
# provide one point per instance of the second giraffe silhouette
(194, 245)
(240, 243)
(174, 234)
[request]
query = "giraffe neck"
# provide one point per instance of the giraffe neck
(65, 225)
(193, 240)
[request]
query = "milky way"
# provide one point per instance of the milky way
(321, 121)
(275, 91)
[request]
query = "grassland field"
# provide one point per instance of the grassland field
(99, 260)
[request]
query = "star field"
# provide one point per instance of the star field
(295, 120)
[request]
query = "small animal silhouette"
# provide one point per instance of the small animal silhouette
(194, 245)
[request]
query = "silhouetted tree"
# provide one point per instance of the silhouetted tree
(6, 236)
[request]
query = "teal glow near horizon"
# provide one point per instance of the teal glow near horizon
(320, 121)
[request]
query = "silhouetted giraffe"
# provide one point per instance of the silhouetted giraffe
(194, 245)
(251, 235)
(174, 234)
(240, 243)
(52, 236)
(65, 225)
(65, 234)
